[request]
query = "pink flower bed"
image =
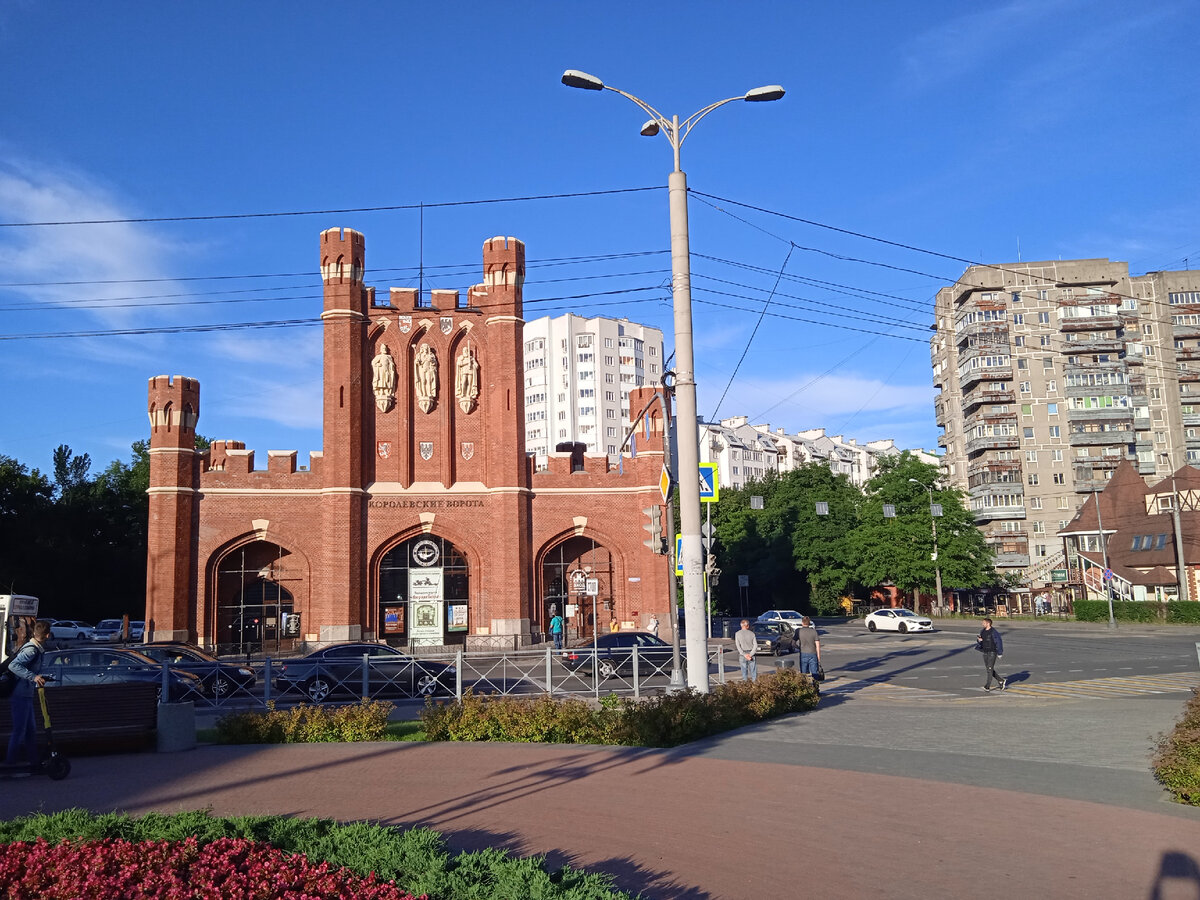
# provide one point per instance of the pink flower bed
(226, 869)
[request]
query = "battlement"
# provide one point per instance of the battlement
(503, 264)
(230, 464)
(567, 470)
(173, 405)
(343, 256)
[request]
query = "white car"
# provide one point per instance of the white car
(70, 630)
(902, 620)
(782, 617)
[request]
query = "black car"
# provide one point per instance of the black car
(95, 665)
(776, 638)
(338, 670)
(219, 679)
(612, 654)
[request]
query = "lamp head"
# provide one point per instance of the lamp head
(576, 79)
(650, 129)
(759, 94)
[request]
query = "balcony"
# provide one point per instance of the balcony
(994, 466)
(987, 393)
(989, 333)
(1093, 390)
(1191, 418)
(1012, 560)
(1100, 438)
(1108, 345)
(1185, 332)
(1089, 323)
(1090, 485)
(984, 373)
(993, 442)
(1101, 414)
(997, 513)
(996, 487)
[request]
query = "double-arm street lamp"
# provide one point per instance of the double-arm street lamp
(691, 557)
(937, 566)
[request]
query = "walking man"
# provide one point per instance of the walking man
(810, 650)
(25, 666)
(746, 643)
(556, 630)
(992, 645)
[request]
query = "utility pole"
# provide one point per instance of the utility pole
(1112, 622)
(1180, 561)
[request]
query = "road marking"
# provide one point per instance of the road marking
(1113, 686)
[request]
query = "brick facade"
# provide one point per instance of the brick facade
(423, 480)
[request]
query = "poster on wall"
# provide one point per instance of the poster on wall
(425, 605)
(393, 620)
(456, 617)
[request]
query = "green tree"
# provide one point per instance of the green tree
(899, 550)
(26, 520)
(794, 557)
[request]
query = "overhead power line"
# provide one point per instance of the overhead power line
(330, 212)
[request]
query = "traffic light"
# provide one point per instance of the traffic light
(654, 526)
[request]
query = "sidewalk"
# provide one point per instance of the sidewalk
(666, 823)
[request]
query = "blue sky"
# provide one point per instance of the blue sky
(981, 131)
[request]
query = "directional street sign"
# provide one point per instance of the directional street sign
(710, 489)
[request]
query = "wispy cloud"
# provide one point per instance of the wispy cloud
(976, 40)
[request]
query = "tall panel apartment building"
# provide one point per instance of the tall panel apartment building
(578, 375)
(1051, 373)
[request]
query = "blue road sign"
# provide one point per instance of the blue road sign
(679, 555)
(710, 489)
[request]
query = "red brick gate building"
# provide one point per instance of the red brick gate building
(422, 520)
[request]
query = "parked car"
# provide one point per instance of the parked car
(337, 670)
(782, 617)
(774, 638)
(219, 679)
(112, 665)
(902, 620)
(137, 631)
(70, 630)
(612, 654)
(107, 631)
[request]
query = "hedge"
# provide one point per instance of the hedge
(663, 721)
(1176, 613)
(1177, 759)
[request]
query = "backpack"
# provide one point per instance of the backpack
(8, 681)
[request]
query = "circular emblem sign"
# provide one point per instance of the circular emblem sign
(426, 553)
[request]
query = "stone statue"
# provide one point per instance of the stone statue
(383, 378)
(425, 377)
(466, 379)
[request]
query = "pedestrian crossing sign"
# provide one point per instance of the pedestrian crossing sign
(710, 488)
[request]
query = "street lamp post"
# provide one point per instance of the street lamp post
(937, 566)
(691, 556)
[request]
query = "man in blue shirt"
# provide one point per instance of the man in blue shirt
(25, 666)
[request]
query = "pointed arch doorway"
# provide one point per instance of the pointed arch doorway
(566, 570)
(252, 599)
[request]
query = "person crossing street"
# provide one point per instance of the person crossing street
(992, 645)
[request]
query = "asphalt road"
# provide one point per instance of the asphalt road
(1037, 654)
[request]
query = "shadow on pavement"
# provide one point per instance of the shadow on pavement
(1178, 876)
(873, 662)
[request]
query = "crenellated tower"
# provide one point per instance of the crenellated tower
(174, 408)
(342, 588)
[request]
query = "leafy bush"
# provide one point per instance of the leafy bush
(227, 867)
(1183, 613)
(416, 860)
(1177, 759)
(305, 724)
(663, 721)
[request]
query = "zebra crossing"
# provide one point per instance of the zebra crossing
(1084, 689)
(1104, 688)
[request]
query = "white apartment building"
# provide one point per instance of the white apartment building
(578, 374)
(745, 452)
(1050, 374)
